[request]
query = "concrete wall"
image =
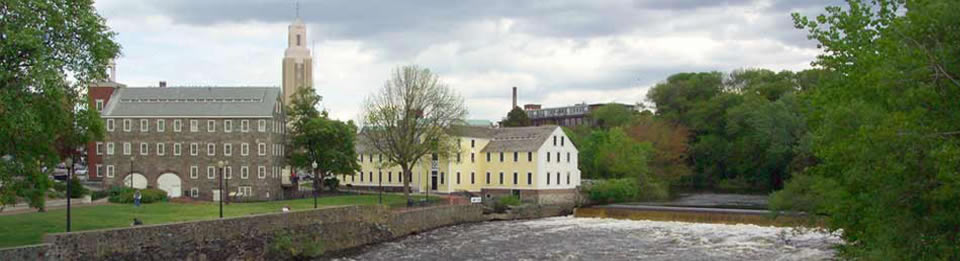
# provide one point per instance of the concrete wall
(247, 238)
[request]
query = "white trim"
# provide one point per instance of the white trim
(194, 149)
(184, 116)
(211, 172)
(262, 172)
(244, 125)
(99, 148)
(111, 125)
(211, 126)
(127, 148)
(244, 149)
(110, 171)
(227, 149)
(161, 125)
(244, 172)
(144, 125)
(194, 172)
(262, 149)
(177, 125)
(227, 125)
(144, 148)
(213, 151)
(194, 192)
(98, 104)
(262, 125)
(110, 148)
(194, 125)
(177, 149)
(127, 125)
(161, 149)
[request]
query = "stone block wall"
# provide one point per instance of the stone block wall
(245, 238)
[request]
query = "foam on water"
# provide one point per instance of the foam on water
(569, 238)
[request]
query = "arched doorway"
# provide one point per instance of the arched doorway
(170, 183)
(135, 180)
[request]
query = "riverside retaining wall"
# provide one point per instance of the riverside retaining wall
(246, 238)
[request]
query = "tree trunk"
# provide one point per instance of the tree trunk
(406, 183)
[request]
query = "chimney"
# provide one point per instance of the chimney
(163, 84)
(514, 97)
(113, 71)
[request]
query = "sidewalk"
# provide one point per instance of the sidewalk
(21, 208)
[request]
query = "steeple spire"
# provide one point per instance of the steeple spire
(298, 9)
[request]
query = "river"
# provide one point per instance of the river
(569, 238)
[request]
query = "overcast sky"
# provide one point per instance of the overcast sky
(557, 52)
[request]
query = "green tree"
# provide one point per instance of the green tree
(517, 118)
(682, 92)
(885, 129)
(315, 138)
(411, 117)
(613, 115)
(41, 43)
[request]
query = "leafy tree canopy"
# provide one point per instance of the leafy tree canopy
(314, 137)
(45, 115)
(517, 118)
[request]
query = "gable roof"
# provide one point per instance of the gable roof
(519, 138)
(193, 102)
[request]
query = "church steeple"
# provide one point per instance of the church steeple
(297, 61)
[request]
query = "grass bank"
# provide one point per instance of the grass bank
(29, 228)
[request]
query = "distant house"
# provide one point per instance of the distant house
(174, 138)
(538, 164)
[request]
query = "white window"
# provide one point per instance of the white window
(211, 172)
(144, 148)
(195, 192)
(99, 103)
(262, 125)
(194, 172)
(161, 125)
(126, 148)
(211, 126)
(110, 126)
(193, 126)
(262, 172)
(244, 172)
(227, 149)
(144, 125)
(227, 125)
(244, 191)
(99, 148)
(127, 125)
(109, 148)
(161, 149)
(176, 149)
(110, 171)
(229, 171)
(244, 149)
(261, 149)
(244, 125)
(99, 171)
(176, 126)
(211, 149)
(194, 147)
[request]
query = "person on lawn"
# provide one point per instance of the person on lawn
(136, 198)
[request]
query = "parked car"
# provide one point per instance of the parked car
(81, 172)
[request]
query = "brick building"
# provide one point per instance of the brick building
(568, 116)
(174, 138)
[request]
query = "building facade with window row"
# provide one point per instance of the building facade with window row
(173, 138)
(538, 164)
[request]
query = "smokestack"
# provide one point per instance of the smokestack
(514, 97)
(163, 84)
(113, 71)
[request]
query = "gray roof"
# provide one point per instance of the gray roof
(506, 139)
(193, 102)
(519, 138)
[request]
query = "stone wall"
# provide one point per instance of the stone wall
(247, 238)
(564, 197)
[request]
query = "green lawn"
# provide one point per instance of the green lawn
(29, 228)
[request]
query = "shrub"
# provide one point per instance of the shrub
(125, 195)
(290, 246)
(614, 190)
(502, 203)
(331, 183)
(77, 190)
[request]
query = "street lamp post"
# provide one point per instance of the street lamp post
(314, 184)
(220, 164)
(226, 182)
(69, 179)
(380, 199)
(129, 178)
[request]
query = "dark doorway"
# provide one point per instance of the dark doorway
(433, 180)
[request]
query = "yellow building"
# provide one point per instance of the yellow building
(538, 164)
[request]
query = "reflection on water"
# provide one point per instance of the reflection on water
(569, 238)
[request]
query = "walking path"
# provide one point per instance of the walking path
(21, 208)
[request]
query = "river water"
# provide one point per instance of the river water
(569, 238)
